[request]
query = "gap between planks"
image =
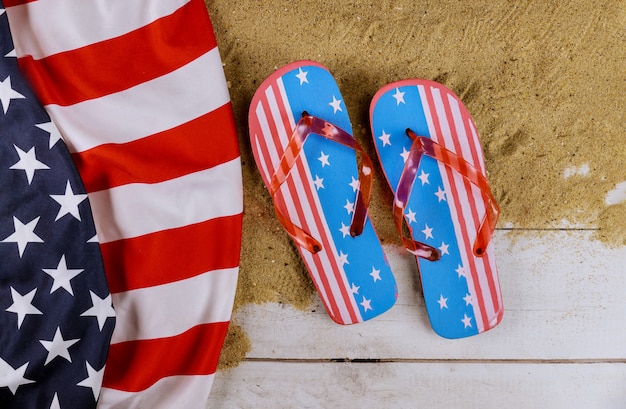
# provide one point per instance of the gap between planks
(438, 361)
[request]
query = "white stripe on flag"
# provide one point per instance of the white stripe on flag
(262, 160)
(143, 314)
(136, 209)
(265, 130)
(283, 96)
(99, 20)
(189, 392)
(477, 146)
(142, 111)
(283, 134)
(464, 139)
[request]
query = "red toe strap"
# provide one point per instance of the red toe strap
(307, 125)
(424, 145)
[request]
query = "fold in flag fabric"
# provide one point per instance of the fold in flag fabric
(56, 317)
(138, 94)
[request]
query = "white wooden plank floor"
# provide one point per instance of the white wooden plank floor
(562, 343)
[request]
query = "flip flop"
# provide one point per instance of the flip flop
(433, 161)
(303, 146)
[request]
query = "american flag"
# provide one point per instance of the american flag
(351, 274)
(56, 317)
(138, 93)
(461, 290)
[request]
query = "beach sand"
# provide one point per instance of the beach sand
(544, 81)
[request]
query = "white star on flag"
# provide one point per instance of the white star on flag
(102, 309)
(410, 216)
(366, 304)
(355, 184)
(24, 234)
(405, 154)
(318, 183)
(349, 206)
(345, 230)
(301, 75)
(7, 94)
(342, 259)
(461, 271)
(424, 177)
(12, 378)
(69, 202)
(444, 248)
(336, 104)
(324, 159)
(11, 53)
(468, 299)
(93, 380)
(375, 274)
(385, 138)
(62, 276)
(23, 305)
(428, 232)
(55, 402)
(58, 347)
(399, 96)
(443, 302)
(354, 289)
(55, 135)
(467, 321)
(28, 163)
(441, 194)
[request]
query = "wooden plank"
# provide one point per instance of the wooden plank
(563, 294)
(420, 385)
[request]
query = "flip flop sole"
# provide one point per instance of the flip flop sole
(351, 274)
(461, 290)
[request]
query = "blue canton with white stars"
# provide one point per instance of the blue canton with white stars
(56, 317)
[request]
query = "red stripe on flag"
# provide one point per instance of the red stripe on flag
(11, 3)
(134, 366)
(172, 255)
(105, 67)
(476, 158)
(112, 165)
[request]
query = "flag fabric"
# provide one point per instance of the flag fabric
(56, 317)
(351, 274)
(137, 91)
(461, 290)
